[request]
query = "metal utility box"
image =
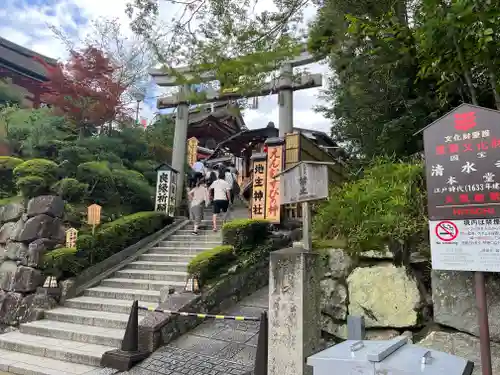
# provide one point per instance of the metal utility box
(388, 357)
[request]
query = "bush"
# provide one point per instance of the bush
(99, 177)
(43, 168)
(133, 189)
(113, 237)
(245, 234)
(70, 189)
(32, 186)
(210, 263)
(7, 166)
(385, 208)
(63, 263)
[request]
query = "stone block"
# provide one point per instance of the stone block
(462, 345)
(15, 251)
(32, 307)
(455, 301)
(294, 310)
(50, 205)
(36, 249)
(11, 212)
(40, 226)
(385, 295)
(10, 305)
(6, 232)
(340, 265)
(17, 228)
(22, 279)
(333, 299)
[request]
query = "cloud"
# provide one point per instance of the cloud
(27, 22)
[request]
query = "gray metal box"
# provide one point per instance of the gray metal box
(386, 357)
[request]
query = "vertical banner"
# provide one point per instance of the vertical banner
(259, 189)
(192, 151)
(163, 192)
(71, 237)
(173, 188)
(274, 166)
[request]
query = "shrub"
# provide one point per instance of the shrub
(7, 166)
(210, 263)
(119, 234)
(62, 263)
(73, 156)
(147, 168)
(70, 189)
(384, 208)
(32, 186)
(43, 168)
(245, 234)
(99, 177)
(133, 189)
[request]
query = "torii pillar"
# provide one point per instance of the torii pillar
(285, 100)
(180, 140)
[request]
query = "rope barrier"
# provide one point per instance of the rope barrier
(201, 316)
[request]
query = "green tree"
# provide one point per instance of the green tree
(239, 41)
(8, 95)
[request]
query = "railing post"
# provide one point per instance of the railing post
(123, 359)
(260, 367)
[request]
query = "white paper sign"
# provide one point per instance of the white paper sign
(465, 245)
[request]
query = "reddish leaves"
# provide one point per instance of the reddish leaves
(85, 88)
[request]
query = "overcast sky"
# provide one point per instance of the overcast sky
(26, 22)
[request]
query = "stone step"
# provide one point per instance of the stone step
(167, 257)
(123, 294)
(104, 304)
(191, 241)
(200, 237)
(182, 249)
(74, 332)
(88, 317)
(128, 273)
(71, 351)
(23, 364)
(158, 266)
(142, 285)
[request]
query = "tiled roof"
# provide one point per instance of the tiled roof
(23, 59)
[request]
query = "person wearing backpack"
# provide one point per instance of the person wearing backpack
(232, 180)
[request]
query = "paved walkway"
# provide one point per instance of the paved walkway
(215, 347)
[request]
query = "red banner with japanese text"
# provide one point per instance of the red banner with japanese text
(274, 167)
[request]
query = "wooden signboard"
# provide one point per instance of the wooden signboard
(274, 167)
(71, 237)
(192, 151)
(304, 182)
(94, 214)
(259, 188)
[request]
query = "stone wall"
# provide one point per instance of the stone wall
(27, 231)
(391, 299)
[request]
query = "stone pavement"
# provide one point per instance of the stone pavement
(215, 347)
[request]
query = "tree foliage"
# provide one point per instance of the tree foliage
(85, 90)
(385, 208)
(239, 41)
(392, 77)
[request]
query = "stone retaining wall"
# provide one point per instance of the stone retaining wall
(391, 299)
(27, 232)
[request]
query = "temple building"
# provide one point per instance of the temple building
(19, 65)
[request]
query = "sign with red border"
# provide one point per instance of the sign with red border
(446, 230)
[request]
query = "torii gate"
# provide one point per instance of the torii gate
(284, 86)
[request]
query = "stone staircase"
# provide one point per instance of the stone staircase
(72, 338)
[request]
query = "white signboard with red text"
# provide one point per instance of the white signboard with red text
(465, 245)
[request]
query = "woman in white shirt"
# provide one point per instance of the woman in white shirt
(198, 195)
(221, 195)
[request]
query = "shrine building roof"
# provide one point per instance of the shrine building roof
(22, 60)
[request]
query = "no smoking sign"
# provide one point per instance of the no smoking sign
(446, 231)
